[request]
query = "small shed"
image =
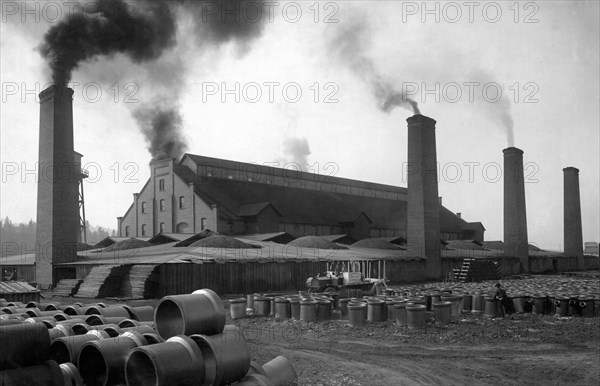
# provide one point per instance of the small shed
(18, 291)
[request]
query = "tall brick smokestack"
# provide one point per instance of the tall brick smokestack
(573, 236)
(515, 214)
(423, 228)
(57, 203)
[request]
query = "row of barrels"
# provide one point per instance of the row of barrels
(183, 341)
(406, 311)
(318, 307)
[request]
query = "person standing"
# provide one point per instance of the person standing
(503, 301)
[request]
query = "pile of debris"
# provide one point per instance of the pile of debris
(183, 341)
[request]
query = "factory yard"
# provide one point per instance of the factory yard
(530, 349)
(475, 349)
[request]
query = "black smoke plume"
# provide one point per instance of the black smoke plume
(163, 131)
(349, 44)
(143, 31)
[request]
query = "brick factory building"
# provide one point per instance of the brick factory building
(237, 198)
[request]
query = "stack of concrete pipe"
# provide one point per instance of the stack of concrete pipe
(184, 341)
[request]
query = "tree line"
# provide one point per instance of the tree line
(23, 235)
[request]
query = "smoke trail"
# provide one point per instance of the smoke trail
(145, 31)
(500, 110)
(349, 44)
(162, 129)
(297, 150)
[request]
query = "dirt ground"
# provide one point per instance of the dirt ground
(475, 350)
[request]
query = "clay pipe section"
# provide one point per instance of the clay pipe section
(226, 356)
(201, 312)
(24, 344)
(102, 362)
(178, 361)
(66, 349)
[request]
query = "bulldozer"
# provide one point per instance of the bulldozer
(354, 284)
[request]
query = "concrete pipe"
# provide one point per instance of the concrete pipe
(255, 368)
(283, 308)
(357, 313)
(73, 310)
(102, 362)
(51, 307)
(70, 374)
(95, 320)
(201, 312)
(128, 323)
(376, 310)
(80, 328)
(153, 338)
(46, 373)
(280, 371)
(442, 312)
(16, 304)
(143, 314)
(254, 380)
(323, 309)
(66, 349)
(308, 310)
(237, 308)
(143, 329)
(400, 308)
(295, 307)
(262, 305)
(24, 344)
(178, 361)
(49, 323)
(415, 316)
(111, 329)
(226, 356)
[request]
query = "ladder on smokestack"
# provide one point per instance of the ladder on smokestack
(82, 223)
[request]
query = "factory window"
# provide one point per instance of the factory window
(181, 202)
(161, 184)
(127, 231)
(182, 227)
(144, 210)
(143, 229)
(162, 205)
(203, 223)
(162, 226)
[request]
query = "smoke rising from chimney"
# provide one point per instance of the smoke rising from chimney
(145, 31)
(163, 132)
(500, 110)
(297, 150)
(349, 43)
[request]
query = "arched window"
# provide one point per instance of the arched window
(181, 202)
(144, 210)
(127, 231)
(203, 223)
(182, 227)
(162, 226)
(162, 205)
(161, 184)
(143, 229)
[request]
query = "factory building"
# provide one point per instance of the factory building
(237, 198)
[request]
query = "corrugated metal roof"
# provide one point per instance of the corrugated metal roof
(16, 287)
(27, 259)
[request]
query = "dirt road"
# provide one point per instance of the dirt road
(530, 349)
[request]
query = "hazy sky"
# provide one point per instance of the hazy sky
(543, 55)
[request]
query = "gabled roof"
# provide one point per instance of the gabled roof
(295, 205)
(163, 238)
(110, 240)
(249, 210)
(16, 287)
(278, 237)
